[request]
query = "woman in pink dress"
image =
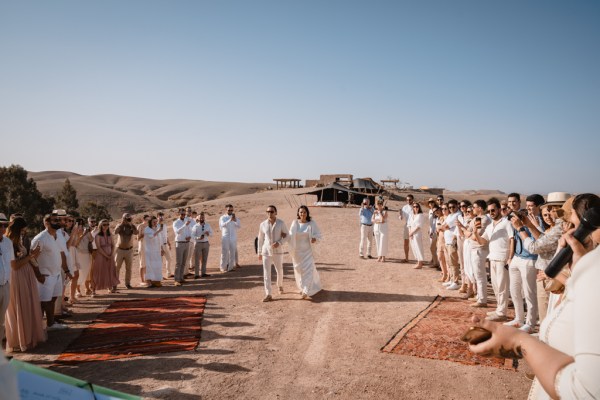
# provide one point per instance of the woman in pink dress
(104, 271)
(24, 326)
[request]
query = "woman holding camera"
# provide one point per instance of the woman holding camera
(566, 358)
(380, 229)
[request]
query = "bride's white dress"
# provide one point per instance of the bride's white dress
(305, 271)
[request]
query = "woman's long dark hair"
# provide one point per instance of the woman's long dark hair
(101, 233)
(15, 227)
(305, 209)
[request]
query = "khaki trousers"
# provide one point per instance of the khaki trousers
(127, 256)
(452, 261)
(366, 238)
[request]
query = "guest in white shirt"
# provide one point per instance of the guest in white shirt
(7, 261)
(449, 229)
(500, 238)
(183, 234)
(405, 214)
(201, 232)
(229, 224)
(51, 260)
(271, 236)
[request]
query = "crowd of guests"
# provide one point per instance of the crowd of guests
(72, 258)
(511, 245)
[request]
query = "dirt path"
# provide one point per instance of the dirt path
(290, 348)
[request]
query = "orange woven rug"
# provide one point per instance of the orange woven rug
(435, 333)
(139, 327)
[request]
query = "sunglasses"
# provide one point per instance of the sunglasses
(444, 208)
(270, 211)
(546, 215)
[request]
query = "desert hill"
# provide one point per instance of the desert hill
(133, 194)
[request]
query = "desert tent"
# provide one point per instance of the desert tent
(334, 192)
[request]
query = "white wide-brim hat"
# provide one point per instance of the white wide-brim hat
(557, 198)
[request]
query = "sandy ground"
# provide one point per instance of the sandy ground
(292, 348)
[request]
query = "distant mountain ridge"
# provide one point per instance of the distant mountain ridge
(132, 194)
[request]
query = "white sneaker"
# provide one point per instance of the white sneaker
(453, 286)
(526, 328)
(447, 283)
(515, 322)
(56, 327)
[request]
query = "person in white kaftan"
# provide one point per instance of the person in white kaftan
(416, 223)
(153, 252)
(303, 234)
(229, 224)
(272, 234)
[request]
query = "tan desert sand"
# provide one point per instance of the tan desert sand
(291, 348)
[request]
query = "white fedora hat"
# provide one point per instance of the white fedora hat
(557, 198)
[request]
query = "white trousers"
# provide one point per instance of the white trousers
(277, 261)
(522, 280)
(228, 251)
(478, 259)
(499, 276)
(366, 238)
(167, 257)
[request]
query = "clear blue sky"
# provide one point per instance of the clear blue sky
(459, 94)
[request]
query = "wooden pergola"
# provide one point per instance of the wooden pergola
(287, 182)
(390, 182)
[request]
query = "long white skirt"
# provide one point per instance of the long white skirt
(83, 262)
(381, 239)
(305, 270)
(153, 259)
(468, 266)
(416, 245)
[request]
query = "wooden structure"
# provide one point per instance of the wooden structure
(287, 183)
(324, 180)
(390, 182)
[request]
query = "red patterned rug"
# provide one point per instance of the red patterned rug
(139, 327)
(435, 333)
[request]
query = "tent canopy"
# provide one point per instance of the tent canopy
(336, 192)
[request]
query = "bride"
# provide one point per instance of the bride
(303, 234)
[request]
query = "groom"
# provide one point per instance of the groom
(271, 236)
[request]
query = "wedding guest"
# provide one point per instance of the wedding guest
(416, 222)
(522, 273)
(431, 203)
(449, 229)
(153, 252)
(7, 263)
(464, 218)
(166, 246)
(183, 234)
(50, 262)
(304, 233)
(271, 236)
(499, 236)
(124, 251)
(366, 228)
(201, 233)
(380, 229)
(83, 257)
(24, 325)
(229, 225)
(404, 215)
(442, 213)
(566, 357)
(141, 251)
(105, 271)
(479, 251)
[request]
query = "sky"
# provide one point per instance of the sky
(455, 94)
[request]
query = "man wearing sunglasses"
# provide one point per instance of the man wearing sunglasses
(201, 232)
(51, 261)
(271, 236)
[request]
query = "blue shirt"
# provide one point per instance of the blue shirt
(520, 249)
(365, 215)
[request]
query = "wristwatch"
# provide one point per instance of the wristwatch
(522, 229)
